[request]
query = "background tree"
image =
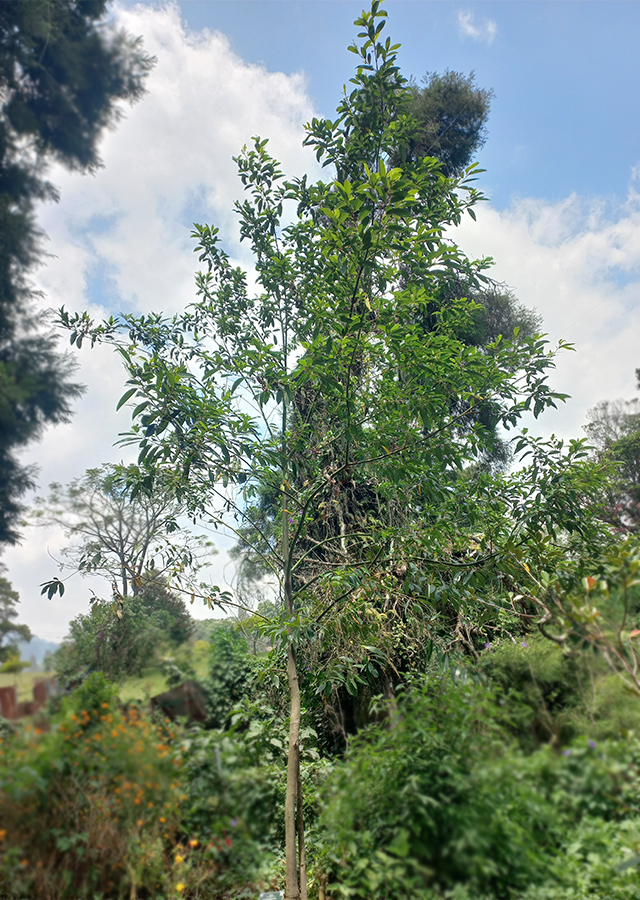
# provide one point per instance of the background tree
(610, 420)
(123, 541)
(10, 631)
(450, 114)
(63, 70)
(121, 646)
(614, 428)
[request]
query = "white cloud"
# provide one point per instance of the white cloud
(120, 242)
(580, 267)
(483, 32)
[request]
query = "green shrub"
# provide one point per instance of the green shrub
(230, 670)
(438, 804)
(555, 694)
(124, 645)
(90, 807)
(236, 778)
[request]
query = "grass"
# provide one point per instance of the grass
(150, 683)
(153, 682)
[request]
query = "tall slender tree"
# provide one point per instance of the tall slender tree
(322, 384)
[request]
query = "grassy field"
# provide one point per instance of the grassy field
(150, 683)
(24, 682)
(153, 682)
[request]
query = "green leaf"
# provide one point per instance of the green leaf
(126, 396)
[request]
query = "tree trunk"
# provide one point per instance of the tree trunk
(293, 773)
(302, 853)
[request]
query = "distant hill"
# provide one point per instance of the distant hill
(37, 648)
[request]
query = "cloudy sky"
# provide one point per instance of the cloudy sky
(562, 179)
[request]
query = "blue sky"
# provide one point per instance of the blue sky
(562, 179)
(566, 113)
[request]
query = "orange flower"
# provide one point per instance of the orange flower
(140, 823)
(193, 843)
(105, 706)
(3, 833)
(162, 819)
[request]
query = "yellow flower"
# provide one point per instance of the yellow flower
(193, 843)
(179, 886)
(162, 819)
(179, 859)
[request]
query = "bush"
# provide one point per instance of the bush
(110, 804)
(438, 804)
(121, 647)
(555, 694)
(230, 670)
(421, 805)
(90, 807)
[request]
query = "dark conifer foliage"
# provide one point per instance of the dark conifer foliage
(62, 72)
(451, 112)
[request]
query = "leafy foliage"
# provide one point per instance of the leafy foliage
(557, 693)
(10, 631)
(614, 428)
(439, 805)
(62, 73)
(124, 644)
(230, 671)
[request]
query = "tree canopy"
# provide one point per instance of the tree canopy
(131, 544)
(450, 113)
(613, 426)
(63, 71)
